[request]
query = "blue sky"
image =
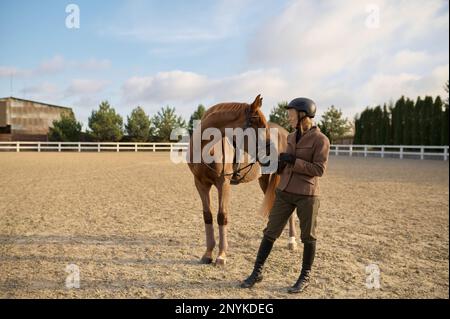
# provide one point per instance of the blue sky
(182, 53)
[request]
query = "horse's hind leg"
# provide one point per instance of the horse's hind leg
(292, 244)
(204, 191)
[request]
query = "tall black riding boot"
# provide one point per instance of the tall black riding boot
(256, 276)
(309, 251)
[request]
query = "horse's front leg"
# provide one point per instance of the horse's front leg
(204, 192)
(223, 190)
(292, 244)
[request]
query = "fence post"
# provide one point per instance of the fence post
(39, 146)
(351, 150)
(365, 150)
(117, 147)
(154, 148)
(422, 151)
(336, 150)
(98, 147)
(382, 151)
(135, 147)
(17, 147)
(401, 152)
(445, 153)
(59, 147)
(79, 147)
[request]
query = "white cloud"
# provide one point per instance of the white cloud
(79, 87)
(408, 58)
(392, 86)
(165, 86)
(53, 65)
(94, 64)
(7, 71)
(326, 51)
(44, 91)
(187, 89)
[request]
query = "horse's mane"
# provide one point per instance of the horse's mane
(231, 107)
(225, 107)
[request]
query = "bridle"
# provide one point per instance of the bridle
(236, 177)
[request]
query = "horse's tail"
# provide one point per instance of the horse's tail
(269, 195)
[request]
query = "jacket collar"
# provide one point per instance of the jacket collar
(293, 135)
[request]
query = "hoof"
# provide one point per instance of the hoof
(292, 245)
(206, 260)
(220, 261)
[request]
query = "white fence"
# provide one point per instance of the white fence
(89, 146)
(398, 151)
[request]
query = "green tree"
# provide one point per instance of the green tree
(445, 119)
(416, 121)
(386, 126)
(358, 129)
(377, 124)
(397, 121)
(197, 115)
(427, 115)
(165, 121)
(66, 129)
(446, 90)
(407, 122)
(138, 125)
(436, 121)
(105, 124)
(279, 115)
(363, 127)
(333, 124)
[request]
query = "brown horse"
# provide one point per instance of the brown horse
(223, 174)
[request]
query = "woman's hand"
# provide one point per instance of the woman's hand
(287, 158)
(281, 166)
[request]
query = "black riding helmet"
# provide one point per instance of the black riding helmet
(303, 104)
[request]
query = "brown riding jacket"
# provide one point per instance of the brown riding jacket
(311, 153)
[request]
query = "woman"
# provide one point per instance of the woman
(305, 160)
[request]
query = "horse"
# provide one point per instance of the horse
(222, 174)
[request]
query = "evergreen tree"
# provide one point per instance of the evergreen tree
(279, 115)
(397, 121)
(427, 114)
(66, 129)
(165, 121)
(357, 138)
(445, 119)
(377, 124)
(333, 124)
(436, 122)
(105, 125)
(138, 125)
(444, 126)
(386, 129)
(197, 115)
(407, 122)
(362, 127)
(416, 122)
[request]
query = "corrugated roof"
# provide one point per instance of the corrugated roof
(24, 100)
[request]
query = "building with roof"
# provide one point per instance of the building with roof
(26, 120)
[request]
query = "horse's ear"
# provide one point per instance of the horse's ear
(257, 103)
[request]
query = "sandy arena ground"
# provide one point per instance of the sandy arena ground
(132, 223)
